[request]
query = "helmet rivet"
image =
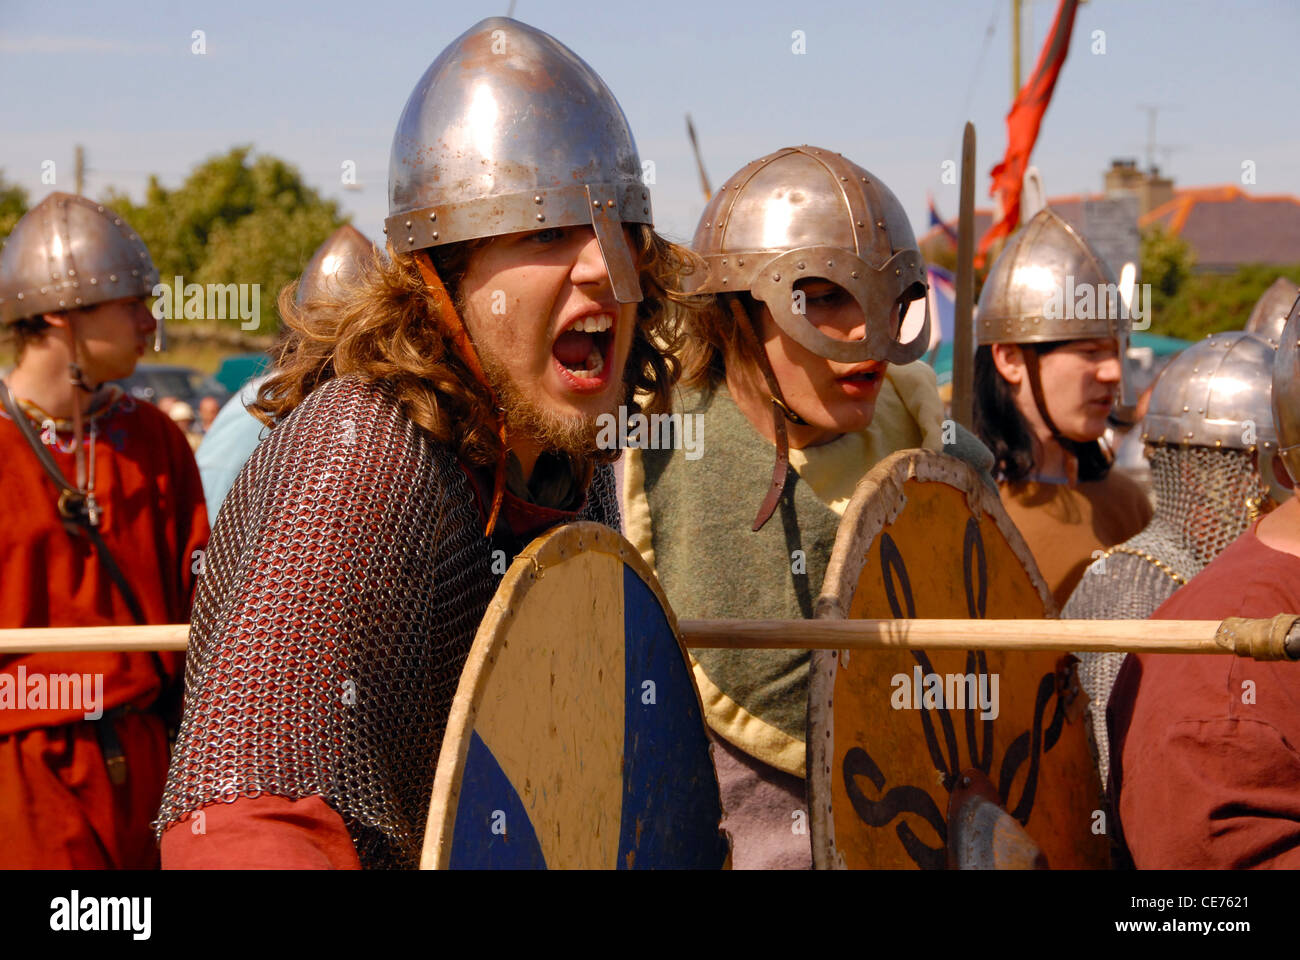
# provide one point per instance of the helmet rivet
(93, 281)
(854, 274)
(880, 224)
(724, 279)
(800, 265)
(435, 234)
(537, 198)
(135, 273)
(411, 240)
(843, 178)
(112, 278)
(117, 222)
(433, 216)
(645, 209)
(100, 208)
(408, 224)
(541, 217)
(72, 273)
(54, 276)
(776, 276)
(724, 261)
(864, 179)
(897, 272)
(385, 228)
(830, 263)
(62, 303)
(645, 194)
(707, 224)
(741, 261)
(596, 204)
(609, 203)
(78, 300)
(20, 296)
(861, 224)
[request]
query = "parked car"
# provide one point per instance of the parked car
(153, 381)
(237, 369)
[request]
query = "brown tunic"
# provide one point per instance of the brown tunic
(1065, 525)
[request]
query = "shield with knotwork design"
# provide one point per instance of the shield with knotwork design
(576, 737)
(946, 757)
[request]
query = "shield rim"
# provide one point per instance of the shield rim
(547, 551)
(876, 503)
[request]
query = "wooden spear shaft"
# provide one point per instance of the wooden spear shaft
(1277, 638)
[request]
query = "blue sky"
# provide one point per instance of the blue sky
(887, 84)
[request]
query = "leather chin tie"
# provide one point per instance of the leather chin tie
(463, 346)
(1071, 447)
(780, 413)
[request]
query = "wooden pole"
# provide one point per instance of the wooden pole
(1245, 637)
(963, 348)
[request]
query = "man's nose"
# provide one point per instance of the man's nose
(589, 263)
(1109, 370)
(144, 320)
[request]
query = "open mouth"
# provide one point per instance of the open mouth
(862, 380)
(582, 351)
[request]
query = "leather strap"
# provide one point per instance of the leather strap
(71, 503)
(461, 343)
(780, 412)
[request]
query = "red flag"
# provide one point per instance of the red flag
(1023, 121)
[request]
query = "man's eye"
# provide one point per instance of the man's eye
(549, 235)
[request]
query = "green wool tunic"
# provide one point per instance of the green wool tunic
(712, 565)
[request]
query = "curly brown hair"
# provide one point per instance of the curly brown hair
(385, 326)
(713, 337)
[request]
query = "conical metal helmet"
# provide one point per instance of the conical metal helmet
(510, 131)
(804, 212)
(1269, 314)
(340, 257)
(1048, 284)
(1216, 393)
(67, 253)
(1286, 393)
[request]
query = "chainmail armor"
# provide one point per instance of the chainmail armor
(1203, 501)
(345, 580)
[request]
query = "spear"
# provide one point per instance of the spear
(699, 160)
(1277, 638)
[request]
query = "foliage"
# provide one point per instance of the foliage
(1192, 305)
(233, 220)
(13, 204)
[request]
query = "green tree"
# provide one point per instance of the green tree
(233, 220)
(1167, 262)
(13, 204)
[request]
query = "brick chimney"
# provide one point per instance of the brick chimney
(1125, 179)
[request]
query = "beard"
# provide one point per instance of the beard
(574, 434)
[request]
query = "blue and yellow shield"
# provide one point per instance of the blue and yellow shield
(576, 739)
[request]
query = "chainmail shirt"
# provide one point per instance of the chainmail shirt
(345, 580)
(1203, 503)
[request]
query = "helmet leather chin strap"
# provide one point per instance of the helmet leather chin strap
(1032, 369)
(81, 390)
(464, 348)
(780, 413)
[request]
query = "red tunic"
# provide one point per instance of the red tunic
(53, 785)
(1205, 749)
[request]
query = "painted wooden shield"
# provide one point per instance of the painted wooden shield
(901, 743)
(576, 738)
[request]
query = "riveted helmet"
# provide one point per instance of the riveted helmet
(67, 253)
(1048, 284)
(1217, 393)
(1270, 310)
(804, 212)
(511, 131)
(1286, 393)
(339, 258)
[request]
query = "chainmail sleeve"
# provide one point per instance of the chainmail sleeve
(602, 499)
(345, 580)
(1119, 586)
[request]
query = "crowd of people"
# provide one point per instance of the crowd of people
(437, 401)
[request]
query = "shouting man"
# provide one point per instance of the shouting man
(429, 423)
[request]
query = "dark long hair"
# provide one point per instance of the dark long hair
(1005, 431)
